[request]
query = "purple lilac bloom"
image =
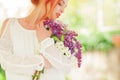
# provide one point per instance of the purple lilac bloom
(58, 29)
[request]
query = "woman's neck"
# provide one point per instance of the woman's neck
(35, 17)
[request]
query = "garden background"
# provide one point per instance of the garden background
(98, 25)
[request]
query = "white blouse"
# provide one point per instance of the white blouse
(18, 54)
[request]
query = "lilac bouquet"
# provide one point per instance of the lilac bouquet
(68, 37)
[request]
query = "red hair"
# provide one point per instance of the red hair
(48, 13)
(35, 2)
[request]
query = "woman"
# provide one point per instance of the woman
(19, 55)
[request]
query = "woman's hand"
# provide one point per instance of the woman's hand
(42, 33)
(47, 63)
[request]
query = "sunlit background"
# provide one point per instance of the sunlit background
(98, 25)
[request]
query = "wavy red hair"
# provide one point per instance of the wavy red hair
(35, 2)
(48, 12)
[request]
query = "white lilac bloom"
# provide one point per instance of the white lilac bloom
(65, 50)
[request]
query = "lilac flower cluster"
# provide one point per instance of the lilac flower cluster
(60, 32)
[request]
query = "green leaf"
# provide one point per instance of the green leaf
(55, 38)
(38, 76)
(62, 38)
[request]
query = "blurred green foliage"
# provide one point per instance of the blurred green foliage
(99, 41)
(2, 74)
(83, 14)
(114, 32)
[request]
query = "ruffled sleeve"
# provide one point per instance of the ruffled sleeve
(54, 56)
(15, 63)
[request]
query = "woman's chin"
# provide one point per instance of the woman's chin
(57, 16)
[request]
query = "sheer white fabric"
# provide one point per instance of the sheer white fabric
(15, 61)
(18, 57)
(55, 57)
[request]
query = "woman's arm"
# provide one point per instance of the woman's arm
(57, 59)
(54, 56)
(5, 42)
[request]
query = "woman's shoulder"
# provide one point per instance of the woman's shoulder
(3, 26)
(5, 23)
